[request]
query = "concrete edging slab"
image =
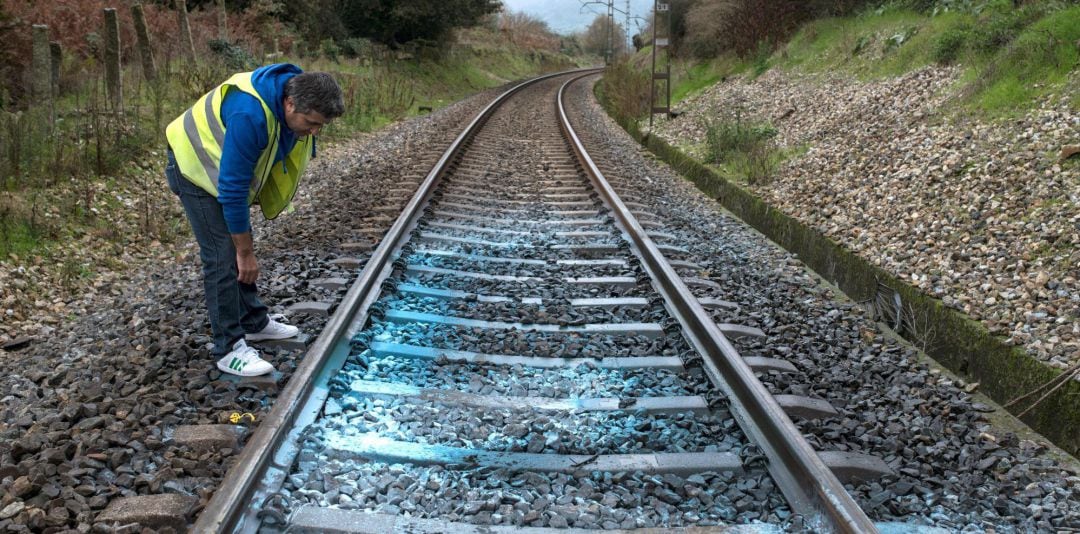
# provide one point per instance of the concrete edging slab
(375, 447)
(672, 363)
(624, 329)
(312, 519)
(655, 405)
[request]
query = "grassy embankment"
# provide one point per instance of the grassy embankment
(1011, 60)
(1010, 57)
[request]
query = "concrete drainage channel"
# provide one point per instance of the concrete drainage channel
(514, 355)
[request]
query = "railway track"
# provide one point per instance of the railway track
(521, 350)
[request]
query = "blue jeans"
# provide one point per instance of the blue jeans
(233, 307)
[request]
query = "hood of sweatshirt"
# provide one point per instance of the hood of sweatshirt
(270, 81)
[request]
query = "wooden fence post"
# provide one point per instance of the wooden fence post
(41, 69)
(113, 83)
(142, 36)
(186, 43)
(222, 21)
(57, 55)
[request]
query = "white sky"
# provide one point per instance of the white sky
(567, 16)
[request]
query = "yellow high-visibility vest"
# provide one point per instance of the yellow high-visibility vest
(198, 135)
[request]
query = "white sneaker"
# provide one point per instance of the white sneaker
(244, 361)
(274, 330)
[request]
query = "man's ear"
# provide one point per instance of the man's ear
(290, 106)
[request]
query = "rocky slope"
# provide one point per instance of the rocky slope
(982, 214)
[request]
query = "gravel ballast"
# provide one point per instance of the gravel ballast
(553, 449)
(89, 410)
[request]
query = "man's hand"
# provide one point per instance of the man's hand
(247, 266)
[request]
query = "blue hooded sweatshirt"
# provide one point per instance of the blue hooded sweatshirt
(246, 138)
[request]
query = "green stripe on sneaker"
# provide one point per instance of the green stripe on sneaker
(237, 364)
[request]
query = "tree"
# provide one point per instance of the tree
(316, 20)
(595, 39)
(741, 26)
(394, 22)
(707, 28)
(527, 31)
(571, 45)
(677, 11)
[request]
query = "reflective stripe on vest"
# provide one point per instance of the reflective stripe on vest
(209, 163)
(197, 138)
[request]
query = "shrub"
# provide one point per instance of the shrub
(717, 26)
(707, 34)
(626, 90)
(330, 50)
(941, 6)
(356, 47)
(595, 38)
(758, 163)
(726, 138)
(995, 33)
(234, 56)
(998, 28)
(371, 97)
(19, 229)
(761, 58)
(747, 149)
(949, 44)
(861, 44)
(898, 39)
(528, 31)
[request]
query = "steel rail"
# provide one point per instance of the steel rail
(268, 456)
(808, 484)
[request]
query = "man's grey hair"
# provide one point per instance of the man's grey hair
(316, 91)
